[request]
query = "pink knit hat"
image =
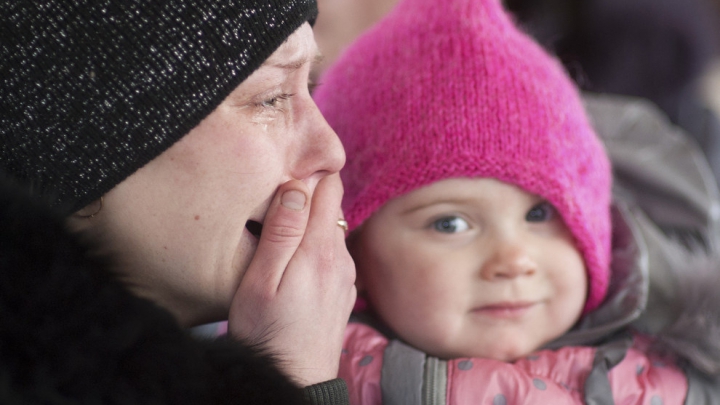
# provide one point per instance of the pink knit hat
(444, 89)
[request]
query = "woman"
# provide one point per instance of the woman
(182, 140)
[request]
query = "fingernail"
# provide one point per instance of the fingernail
(293, 199)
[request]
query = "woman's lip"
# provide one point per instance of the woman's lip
(256, 219)
(504, 309)
(254, 227)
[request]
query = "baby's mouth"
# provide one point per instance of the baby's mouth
(254, 227)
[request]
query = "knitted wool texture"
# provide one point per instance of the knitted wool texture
(94, 90)
(447, 89)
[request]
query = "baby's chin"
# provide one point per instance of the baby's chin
(501, 352)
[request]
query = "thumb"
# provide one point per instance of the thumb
(283, 230)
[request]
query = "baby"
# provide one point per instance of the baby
(479, 203)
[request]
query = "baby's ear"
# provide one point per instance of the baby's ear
(359, 284)
(353, 242)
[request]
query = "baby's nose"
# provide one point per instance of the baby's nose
(509, 260)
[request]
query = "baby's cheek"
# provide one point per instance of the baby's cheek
(561, 316)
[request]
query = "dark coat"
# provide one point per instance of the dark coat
(72, 333)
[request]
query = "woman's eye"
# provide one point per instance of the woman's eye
(450, 225)
(541, 212)
(270, 103)
(312, 85)
(275, 101)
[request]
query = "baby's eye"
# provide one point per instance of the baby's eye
(541, 212)
(450, 225)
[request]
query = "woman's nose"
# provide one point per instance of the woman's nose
(320, 153)
(508, 261)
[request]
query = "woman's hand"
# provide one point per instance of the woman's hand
(296, 296)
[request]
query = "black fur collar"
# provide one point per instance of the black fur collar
(71, 333)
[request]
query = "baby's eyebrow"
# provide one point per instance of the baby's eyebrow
(424, 205)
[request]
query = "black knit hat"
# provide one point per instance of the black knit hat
(92, 90)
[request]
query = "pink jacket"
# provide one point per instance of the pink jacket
(546, 377)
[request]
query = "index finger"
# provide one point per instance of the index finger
(325, 210)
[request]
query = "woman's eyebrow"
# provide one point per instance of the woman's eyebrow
(319, 57)
(297, 64)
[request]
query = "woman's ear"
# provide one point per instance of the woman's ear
(91, 210)
(86, 217)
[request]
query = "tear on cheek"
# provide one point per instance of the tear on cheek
(254, 227)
